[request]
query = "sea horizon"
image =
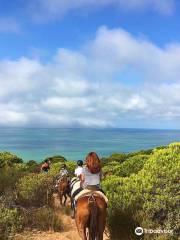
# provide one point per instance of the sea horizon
(75, 143)
(95, 128)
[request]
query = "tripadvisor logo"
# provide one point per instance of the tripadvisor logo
(139, 231)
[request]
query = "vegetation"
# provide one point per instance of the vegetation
(148, 197)
(34, 190)
(10, 220)
(142, 188)
(57, 159)
(8, 159)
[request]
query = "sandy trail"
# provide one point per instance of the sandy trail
(69, 231)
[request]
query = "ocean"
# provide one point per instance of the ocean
(75, 143)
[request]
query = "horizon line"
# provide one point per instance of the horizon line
(90, 128)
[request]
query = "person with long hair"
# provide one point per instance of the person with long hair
(92, 173)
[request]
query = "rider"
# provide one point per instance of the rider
(62, 173)
(92, 173)
(45, 166)
(90, 176)
(78, 171)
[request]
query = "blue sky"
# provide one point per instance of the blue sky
(87, 63)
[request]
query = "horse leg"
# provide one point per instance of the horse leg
(65, 198)
(82, 231)
(60, 198)
(81, 218)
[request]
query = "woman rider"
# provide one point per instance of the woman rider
(92, 174)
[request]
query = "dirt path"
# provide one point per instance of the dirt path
(69, 231)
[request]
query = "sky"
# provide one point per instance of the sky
(89, 63)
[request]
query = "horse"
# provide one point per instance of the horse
(91, 214)
(63, 189)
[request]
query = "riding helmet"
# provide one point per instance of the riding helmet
(79, 162)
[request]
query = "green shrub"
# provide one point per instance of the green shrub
(10, 221)
(111, 168)
(8, 159)
(56, 159)
(118, 157)
(148, 198)
(33, 166)
(10, 175)
(141, 152)
(131, 165)
(43, 218)
(34, 190)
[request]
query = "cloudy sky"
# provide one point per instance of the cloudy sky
(89, 63)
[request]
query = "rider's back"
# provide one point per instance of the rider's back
(90, 179)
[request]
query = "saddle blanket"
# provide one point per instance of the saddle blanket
(77, 191)
(86, 192)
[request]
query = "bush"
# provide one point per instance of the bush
(33, 166)
(43, 218)
(141, 152)
(111, 168)
(34, 190)
(10, 221)
(125, 169)
(56, 159)
(117, 157)
(10, 175)
(131, 166)
(148, 198)
(8, 159)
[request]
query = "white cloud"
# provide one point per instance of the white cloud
(115, 80)
(45, 9)
(9, 25)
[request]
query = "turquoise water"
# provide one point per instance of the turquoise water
(33, 143)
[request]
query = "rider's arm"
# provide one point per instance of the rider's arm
(82, 179)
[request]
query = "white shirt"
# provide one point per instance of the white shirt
(63, 172)
(91, 178)
(78, 171)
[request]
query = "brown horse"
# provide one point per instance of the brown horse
(63, 189)
(91, 215)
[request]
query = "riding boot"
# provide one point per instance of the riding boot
(74, 209)
(73, 214)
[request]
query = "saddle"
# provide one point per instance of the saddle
(86, 192)
(77, 191)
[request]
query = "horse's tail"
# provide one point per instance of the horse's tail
(93, 217)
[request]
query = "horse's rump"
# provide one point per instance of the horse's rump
(63, 188)
(91, 215)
